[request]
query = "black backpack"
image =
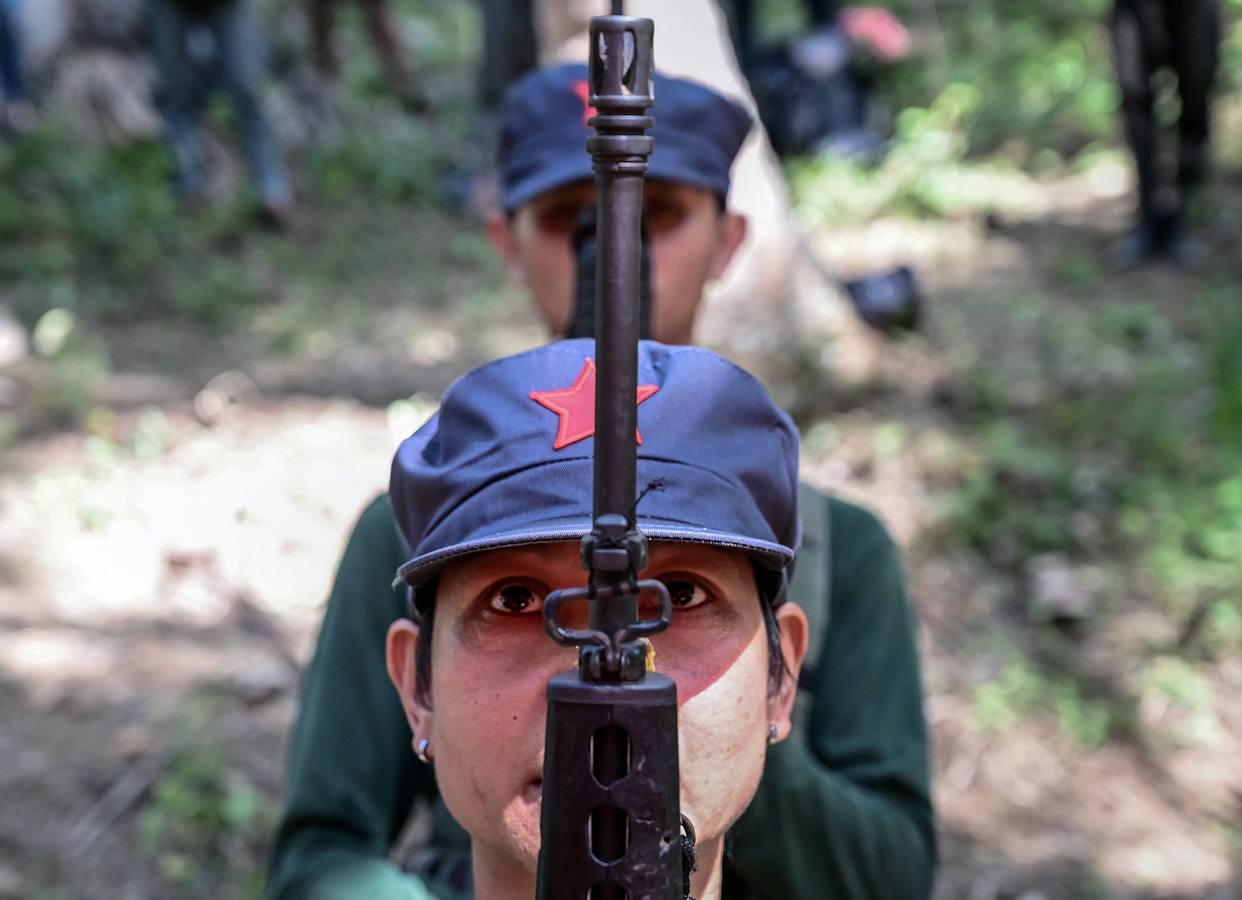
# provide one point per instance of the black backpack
(806, 113)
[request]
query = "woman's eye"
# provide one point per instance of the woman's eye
(562, 219)
(664, 217)
(516, 599)
(685, 594)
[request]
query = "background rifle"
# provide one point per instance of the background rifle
(610, 821)
(585, 295)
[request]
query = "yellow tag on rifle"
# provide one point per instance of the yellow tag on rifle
(650, 653)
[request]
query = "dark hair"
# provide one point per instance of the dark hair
(423, 611)
(770, 586)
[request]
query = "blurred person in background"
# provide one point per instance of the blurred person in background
(1184, 37)
(16, 112)
(509, 51)
(199, 45)
(384, 38)
(844, 809)
(773, 305)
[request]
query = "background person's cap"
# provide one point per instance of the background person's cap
(543, 134)
(507, 460)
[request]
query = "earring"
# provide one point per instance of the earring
(421, 750)
(772, 731)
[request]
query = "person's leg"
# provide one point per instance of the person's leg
(509, 51)
(241, 48)
(1195, 29)
(388, 48)
(12, 83)
(509, 48)
(167, 26)
(322, 16)
(1134, 61)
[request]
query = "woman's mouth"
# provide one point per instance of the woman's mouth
(533, 791)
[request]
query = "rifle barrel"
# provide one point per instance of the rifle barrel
(610, 818)
(621, 94)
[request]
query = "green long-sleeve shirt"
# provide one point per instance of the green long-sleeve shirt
(843, 811)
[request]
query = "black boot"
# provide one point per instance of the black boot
(1183, 248)
(1140, 245)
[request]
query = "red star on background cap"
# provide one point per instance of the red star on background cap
(583, 92)
(575, 406)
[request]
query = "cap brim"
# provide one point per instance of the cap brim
(558, 168)
(420, 569)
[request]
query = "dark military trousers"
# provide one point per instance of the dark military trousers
(1184, 36)
(12, 85)
(509, 47)
(228, 32)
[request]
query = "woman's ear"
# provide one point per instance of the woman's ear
(402, 656)
(504, 241)
(795, 636)
(733, 228)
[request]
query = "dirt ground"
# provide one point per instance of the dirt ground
(162, 575)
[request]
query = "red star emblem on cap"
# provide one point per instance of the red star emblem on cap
(583, 91)
(575, 406)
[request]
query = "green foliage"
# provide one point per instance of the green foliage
(926, 174)
(1047, 67)
(1188, 519)
(1018, 503)
(74, 364)
(1019, 692)
(97, 231)
(1108, 433)
(1092, 886)
(405, 168)
(1077, 270)
(1227, 387)
(41, 892)
(1192, 541)
(91, 197)
(80, 212)
(205, 826)
(1003, 702)
(1178, 681)
(213, 289)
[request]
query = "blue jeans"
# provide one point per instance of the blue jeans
(194, 52)
(12, 86)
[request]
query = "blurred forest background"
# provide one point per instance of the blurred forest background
(203, 407)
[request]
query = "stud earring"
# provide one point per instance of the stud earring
(421, 750)
(772, 731)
